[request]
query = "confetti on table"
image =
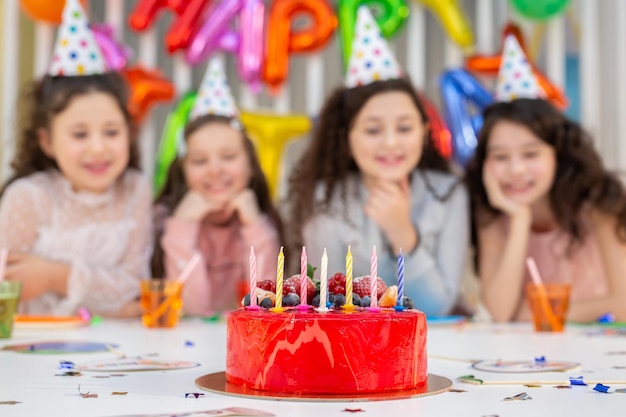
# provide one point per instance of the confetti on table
(541, 360)
(457, 390)
(353, 410)
(86, 394)
(66, 365)
(70, 373)
(563, 386)
(470, 379)
(576, 380)
(119, 393)
(188, 343)
(602, 388)
(193, 394)
(533, 385)
(117, 375)
(10, 402)
(522, 396)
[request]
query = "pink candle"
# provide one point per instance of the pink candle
(303, 278)
(252, 277)
(374, 279)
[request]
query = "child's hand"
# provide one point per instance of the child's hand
(38, 275)
(194, 206)
(246, 206)
(496, 196)
(389, 205)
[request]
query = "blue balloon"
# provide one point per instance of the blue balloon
(458, 90)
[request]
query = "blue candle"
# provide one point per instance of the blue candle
(400, 277)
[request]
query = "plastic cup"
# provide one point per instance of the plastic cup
(161, 302)
(9, 298)
(548, 304)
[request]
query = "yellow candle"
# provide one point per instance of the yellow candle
(349, 278)
(280, 271)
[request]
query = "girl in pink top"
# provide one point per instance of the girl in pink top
(539, 189)
(216, 202)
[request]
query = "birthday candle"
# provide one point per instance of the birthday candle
(303, 278)
(324, 280)
(400, 277)
(252, 277)
(374, 279)
(349, 278)
(280, 271)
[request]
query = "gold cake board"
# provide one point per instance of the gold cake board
(217, 383)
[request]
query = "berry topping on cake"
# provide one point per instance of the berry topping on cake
(339, 300)
(337, 284)
(292, 285)
(389, 297)
(266, 303)
(267, 285)
(362, 286)
(407, 303)
(291, 300)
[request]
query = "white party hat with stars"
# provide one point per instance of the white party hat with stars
(515, 77)
(371, 59)
(214, 96)
(76, 51)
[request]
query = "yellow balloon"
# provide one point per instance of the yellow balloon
(270, 133)
(452, 19)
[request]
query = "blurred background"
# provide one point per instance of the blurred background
(448, 47)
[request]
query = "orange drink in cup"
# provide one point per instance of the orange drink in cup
(548, 304)
(161, 302)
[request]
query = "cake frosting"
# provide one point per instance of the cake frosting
(307, 352)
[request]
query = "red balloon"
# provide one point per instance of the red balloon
(185, 26)
(442, 139)
(281, 40)
(145, 12)
(49, 11)
(490, 64)
(147, 87)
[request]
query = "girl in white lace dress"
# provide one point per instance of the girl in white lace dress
(76, 214)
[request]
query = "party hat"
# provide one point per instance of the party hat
(214, 96)
(371, 59)
(515, 77)
(76, 51)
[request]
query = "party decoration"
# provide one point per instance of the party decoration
(602, 388)
(304, 279)
(246, 42)
(458, 88)
(540, 9)
(490, 65)
(271, 133)
(147, 87)
(522, 396)
(400, 278)
(76, 51)
(116, 55)
(349, 283)
(515, 77)
(214, 96)
(577, 380)
(392, 14)
(185, 24)
(253, 288)
(439, 132)
(49, 11)
(172, 136)
(282, 40)
(371, 59)
(453, 20)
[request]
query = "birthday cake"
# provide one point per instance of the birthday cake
(303, 351)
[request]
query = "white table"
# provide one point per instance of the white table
(31, 379)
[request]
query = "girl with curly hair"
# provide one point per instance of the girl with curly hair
(539, 189)
(371, 176)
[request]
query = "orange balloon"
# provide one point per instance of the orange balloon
(490, 65)
(147, 87)
(49, 11)
(281, 40)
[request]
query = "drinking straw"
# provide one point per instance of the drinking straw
(4, 254)
(541, 291)
(184, 275)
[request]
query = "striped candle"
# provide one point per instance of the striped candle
(374, 279)
(324, 280)
(280, 272)
(252, 277)
(349, 278)
(303, 278)
(400, 277)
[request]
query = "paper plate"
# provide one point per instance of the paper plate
(134, 365)
(48, 322)
(517, 367)
(216, 383)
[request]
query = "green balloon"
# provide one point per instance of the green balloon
(172, 134)
(540, 9)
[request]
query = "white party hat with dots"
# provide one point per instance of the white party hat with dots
(76, 51)
(214, 96)
(515, 77)
(371, 59)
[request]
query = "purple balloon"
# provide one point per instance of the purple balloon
(116, 55)
(251, 50)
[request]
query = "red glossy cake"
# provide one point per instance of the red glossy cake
(327, 353)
